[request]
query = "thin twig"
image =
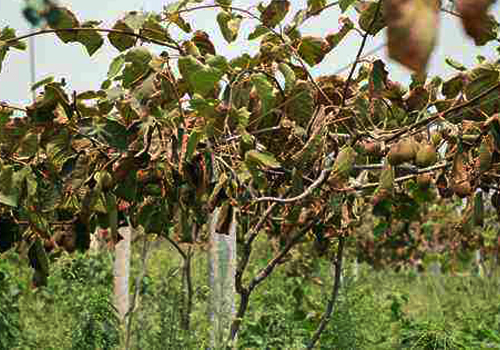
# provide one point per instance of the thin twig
(358, 55)
(247, 248)
(6, 105)
(177, 247)
(105, 30)
(317, 183)
(257, 279)
(335, 292)
(265, 272)
(436, 116)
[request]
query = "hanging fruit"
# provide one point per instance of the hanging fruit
(478, 213)
(460, 178)
(424, 181)
(485, 155)
(403, 151)
(426, 156)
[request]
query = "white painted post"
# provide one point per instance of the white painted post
(122, 272)
(222, 270)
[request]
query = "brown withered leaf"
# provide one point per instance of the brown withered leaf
(412, 31)
(477, 23)
(275, 12)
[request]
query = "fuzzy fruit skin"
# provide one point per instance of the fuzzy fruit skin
(424, 181)
(372, 148)
(462, 189)
(403, 151)
(485, 157)
(344, 162)
(426, 156)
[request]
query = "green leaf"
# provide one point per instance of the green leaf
(116, 66)
(380, 228)
(42, 82)
(42, 110)
(9, 194)
(91, 39)
(113, 133)
(5, 114)
(121, 41)
(229, 24)
(201, 78)
(3, 52)
(6, 34)
(58, 148)
(275, 12)
(223, 2)
(28, 146)
(66, 19)
(262, 159)
(90, 95)
(149, 217)
(154, 30)
(138, 67)
(193, 140)
(455, 64)
(368, 11)
(135, 19)
(127, 189)
(264, 91)
(299, 18)
(453, 86)
(335, 39)
(289, 76)
(257, 32)
(180, 22)
(11, 184)
(345, 4)
(313, 49)
(314, 6)
(242, 117)
(378, 78)
(482, 80)
(300, 107)
(139, 55)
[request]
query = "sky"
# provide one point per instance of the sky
(70, 61)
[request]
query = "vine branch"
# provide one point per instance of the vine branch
(105, 30)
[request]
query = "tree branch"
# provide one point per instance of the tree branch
(263, 274)
(436, 116)
(105, 30)
(358, 55)
(335, 292)
(317, 183)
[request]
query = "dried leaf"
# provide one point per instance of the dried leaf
(477, 23)
(313, 49)
(275, 12)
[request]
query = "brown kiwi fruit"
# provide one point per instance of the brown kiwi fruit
(403, 151)
(426, 156)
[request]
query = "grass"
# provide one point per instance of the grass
(375, 310)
